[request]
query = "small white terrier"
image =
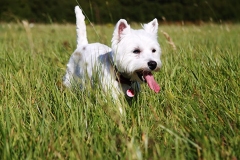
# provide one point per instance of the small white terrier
(120, 69)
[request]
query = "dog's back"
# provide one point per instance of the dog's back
(84, 58)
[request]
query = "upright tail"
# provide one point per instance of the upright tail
(81, 27)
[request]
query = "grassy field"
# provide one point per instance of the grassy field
(195, 116)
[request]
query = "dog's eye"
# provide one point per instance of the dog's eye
(136, 51)
(154, 50)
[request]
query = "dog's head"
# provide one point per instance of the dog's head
(136, 53)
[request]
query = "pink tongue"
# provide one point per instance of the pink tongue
(151, 82)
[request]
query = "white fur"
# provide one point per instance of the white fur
(88, 58)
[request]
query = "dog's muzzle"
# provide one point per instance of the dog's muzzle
(141, 74)
(152, 65)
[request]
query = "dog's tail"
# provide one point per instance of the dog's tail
(81, 27)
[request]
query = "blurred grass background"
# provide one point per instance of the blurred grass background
(104, 11)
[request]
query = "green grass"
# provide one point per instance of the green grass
(195, 116)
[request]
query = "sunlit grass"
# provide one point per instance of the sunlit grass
(195, 116)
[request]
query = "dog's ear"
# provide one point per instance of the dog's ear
(151, 27)
(122, 28)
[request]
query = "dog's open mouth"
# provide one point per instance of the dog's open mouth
(147, 77)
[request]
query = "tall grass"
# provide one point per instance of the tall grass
(195, 116)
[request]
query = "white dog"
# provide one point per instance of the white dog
(120, 69)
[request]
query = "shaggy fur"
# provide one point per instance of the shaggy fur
(123, 67)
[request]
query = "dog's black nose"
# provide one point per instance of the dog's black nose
(152, 65)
